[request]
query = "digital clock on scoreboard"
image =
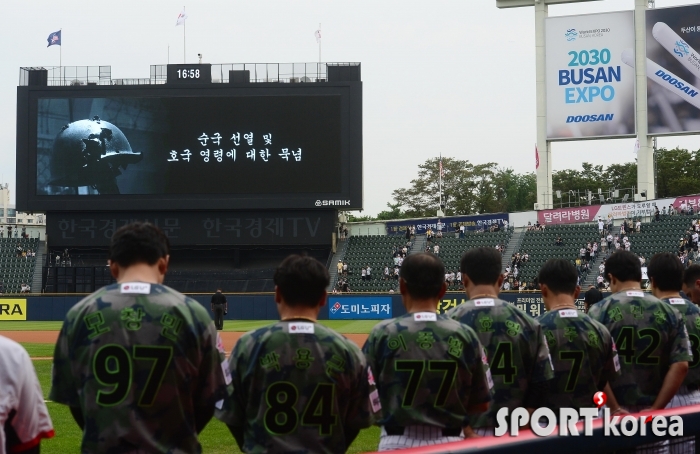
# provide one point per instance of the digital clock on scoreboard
(189, 74)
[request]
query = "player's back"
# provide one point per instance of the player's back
(690, 315)
(297, 387)
(138, 359)
(583, 356)
(516, 349)
(649, 335)
(428, 369)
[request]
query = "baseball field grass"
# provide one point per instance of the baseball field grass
(215, 438)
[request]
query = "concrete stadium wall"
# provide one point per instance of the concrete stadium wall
(262, 306)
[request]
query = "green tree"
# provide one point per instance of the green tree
(394, 212)
(466, 188)
(357, 218)
(677, 172)
(422, 198)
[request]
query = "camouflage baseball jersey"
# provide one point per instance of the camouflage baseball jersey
(516, 349)
(690, 315)
(140, 360)
(429, 369)
(298, 386)
(649, 335)
(583, 354)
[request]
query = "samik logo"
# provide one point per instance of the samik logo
(571, 34)
(336, 203)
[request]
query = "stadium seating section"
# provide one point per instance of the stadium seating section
(375, 251)
(15, 271)
(451, 249)
(540, 246)
(663, 236)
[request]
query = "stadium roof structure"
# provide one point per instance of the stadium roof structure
(519, 3)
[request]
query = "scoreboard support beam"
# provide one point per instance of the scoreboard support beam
(544, 171)
(645, 155)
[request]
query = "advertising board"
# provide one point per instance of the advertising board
(673, 69)
(590, 91)
(359, 307)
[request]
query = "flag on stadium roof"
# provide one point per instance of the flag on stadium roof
(317, 33)
(442, 171)
(54, 39)
(636, 145)
(181, 18)
(537, 158)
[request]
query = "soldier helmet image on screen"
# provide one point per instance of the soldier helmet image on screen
(91, 153)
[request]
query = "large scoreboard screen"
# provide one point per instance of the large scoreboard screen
(158, 147)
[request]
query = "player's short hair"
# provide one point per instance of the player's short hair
(592, 296)
(667, 271)
(692, 274)
(301, 280)
(559, 275)
(423, 274)
(624, 266)
(138, 242)
(481, 265)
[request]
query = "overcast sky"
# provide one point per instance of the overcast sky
(455, 77)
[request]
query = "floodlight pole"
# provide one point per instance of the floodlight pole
(645, 155)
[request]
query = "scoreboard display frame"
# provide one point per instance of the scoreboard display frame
(348, 197)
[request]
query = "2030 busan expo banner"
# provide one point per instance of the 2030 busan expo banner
(590, 91)
(673, 69)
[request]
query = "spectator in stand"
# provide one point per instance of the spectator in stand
(684, 207)
(601, 225)
(19, 250)
(339, 267)
(408, 233)
(429, 234)
(369, 273)
(582, 253)
(671, 210)
(436, 249)
(559, 242)
(461, 231)
(638, 226)
(25, 288)
(400, 261)
(396, 272)
(364, 274)
(386, 273)
(600, 280)
(345, 268)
